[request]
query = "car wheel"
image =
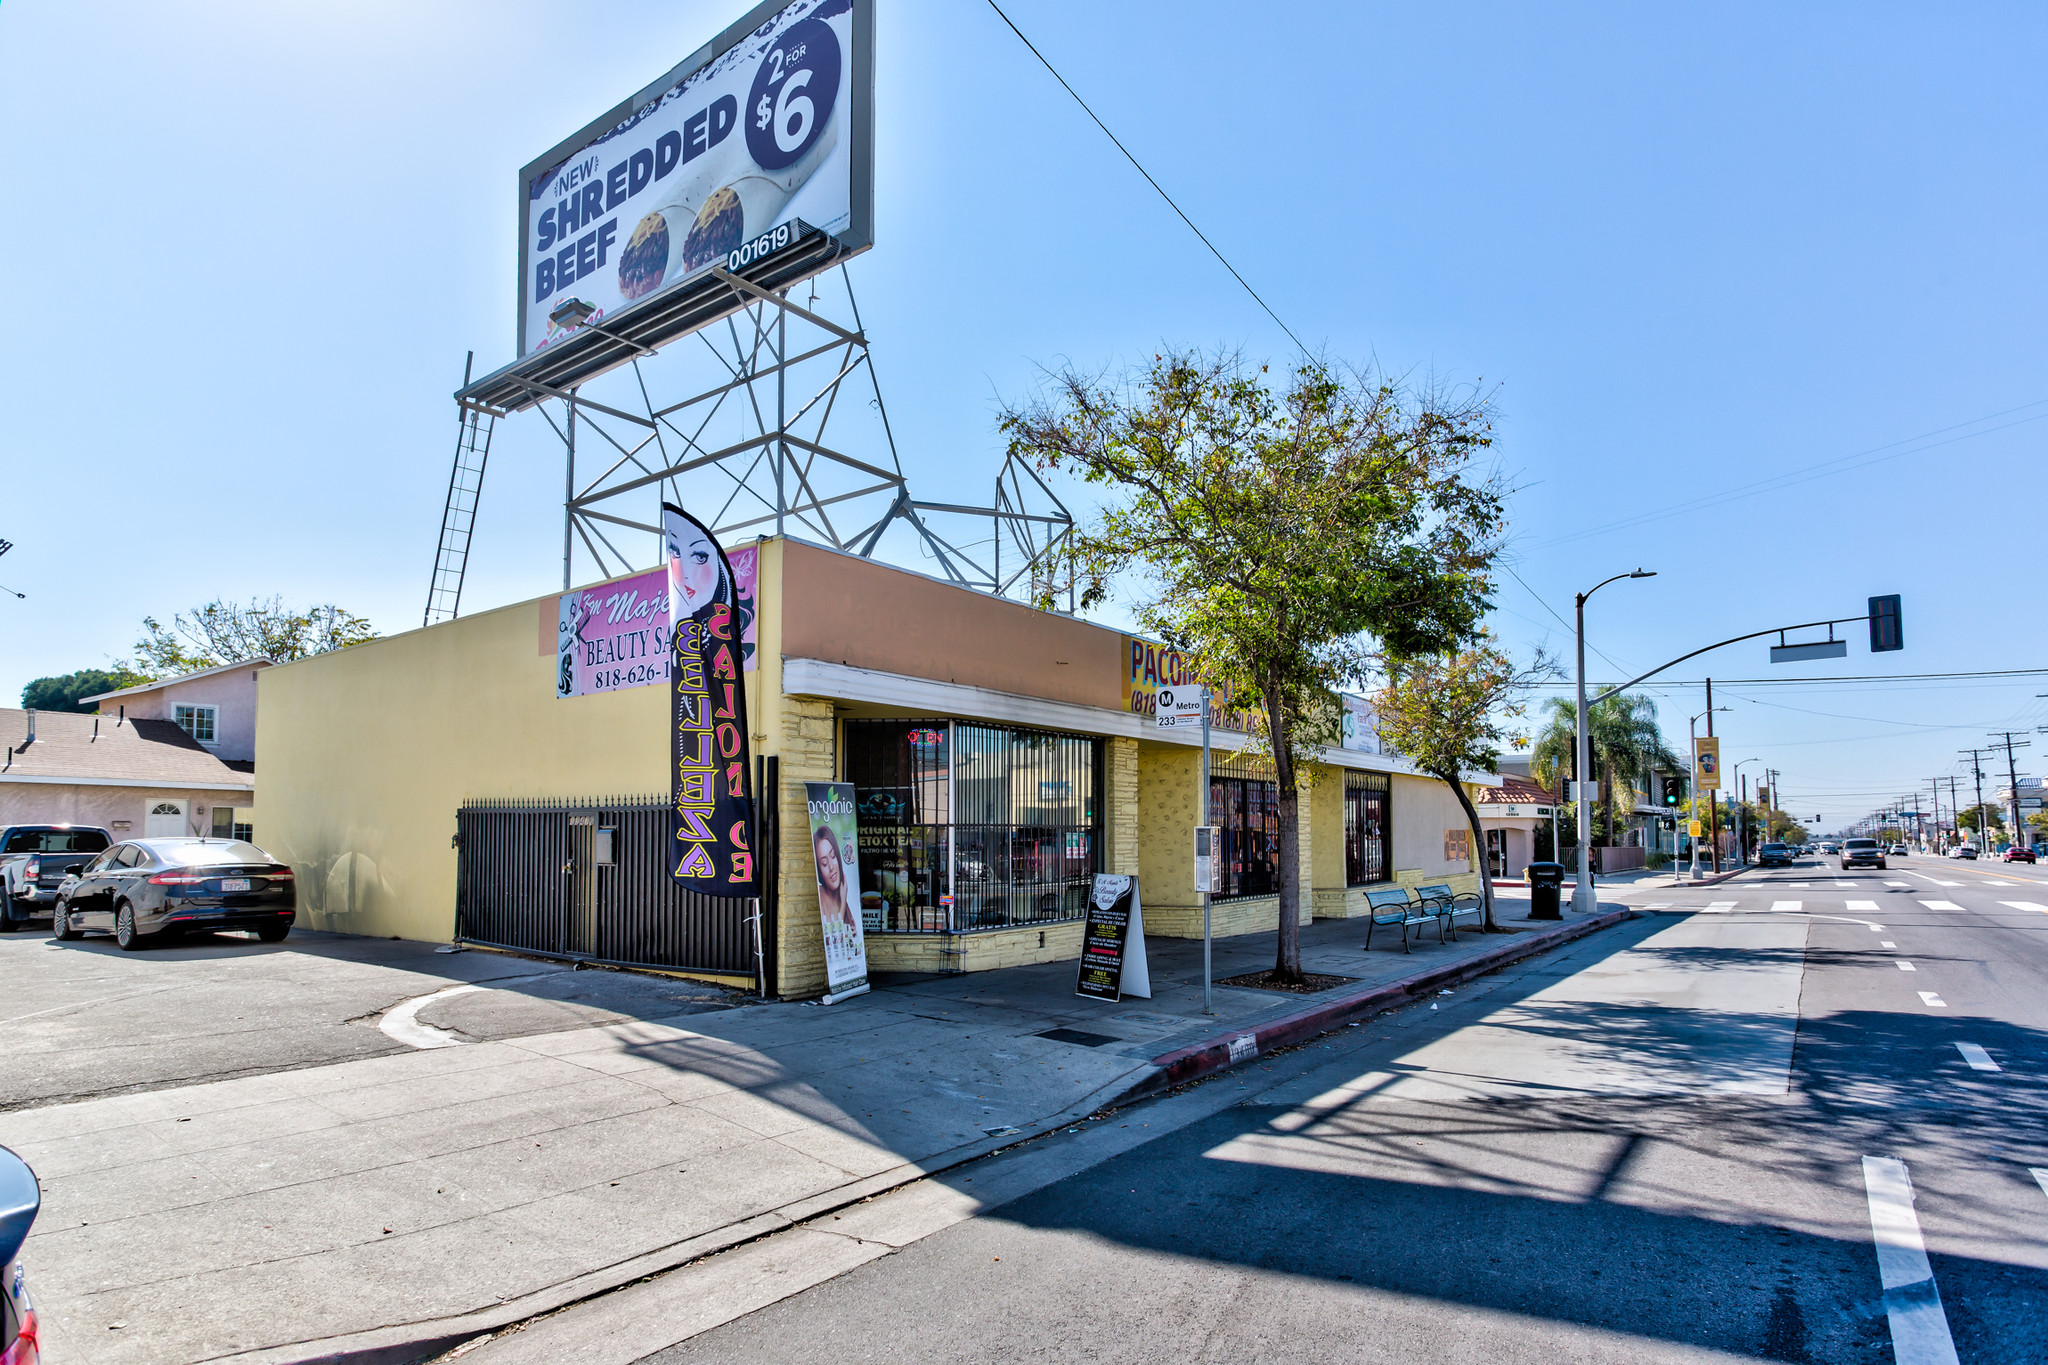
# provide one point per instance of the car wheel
(60, 925)
(124, 928)
(273, 933)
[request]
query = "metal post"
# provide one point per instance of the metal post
(1583, 899)
(1692, 783)
(569, 493)
(781, 410)
(1208, 1006)
(1713, 801)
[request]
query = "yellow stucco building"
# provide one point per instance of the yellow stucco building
(435, 783)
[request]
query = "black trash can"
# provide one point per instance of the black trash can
(1545, 883)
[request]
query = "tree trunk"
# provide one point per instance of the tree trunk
(1287, 954)
(1478, 846)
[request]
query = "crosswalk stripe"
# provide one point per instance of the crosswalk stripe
(2026, 905)
(1898, 883)
(1941, 905)
(1786, 907)
(1933, 1001)
(1861, 905)
(1939, 882)
(1977, 1057)
(1907, 967)
(1912, 1301)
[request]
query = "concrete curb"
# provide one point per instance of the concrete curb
(1230, 1049)
(1717, 878)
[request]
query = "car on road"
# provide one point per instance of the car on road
(1773, 855)
(145, 888)
(1862, 853)
(34, 860)
(1962, 851)
(20, 1198)
(2017, 854)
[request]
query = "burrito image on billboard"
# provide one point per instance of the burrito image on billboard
(767, 123)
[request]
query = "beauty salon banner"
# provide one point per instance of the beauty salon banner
(615, 635)
(710, 762)
(835, 855)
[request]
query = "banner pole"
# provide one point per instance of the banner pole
(1208, 1005)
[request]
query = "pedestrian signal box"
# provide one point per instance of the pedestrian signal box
(1885, 629)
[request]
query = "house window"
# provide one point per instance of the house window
(1248, 812)
(196, 721)
(1368, 829)
(967, 826)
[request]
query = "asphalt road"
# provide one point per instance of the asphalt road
(1669, 1142)
(84, 1019)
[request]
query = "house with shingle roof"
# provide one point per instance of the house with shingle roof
(175, 756)
(1510, 815)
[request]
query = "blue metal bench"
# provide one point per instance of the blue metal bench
(1451, 904)
(1390, 906)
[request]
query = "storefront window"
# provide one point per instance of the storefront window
(966, 826)
(1368, 833)
(1248, 811)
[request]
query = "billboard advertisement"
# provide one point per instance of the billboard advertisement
(835, 855)
(615, 636)
(766, 124)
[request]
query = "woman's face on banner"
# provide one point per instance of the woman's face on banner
(693, 568)
(830, 873)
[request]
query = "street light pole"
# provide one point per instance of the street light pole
(1741, 801)
(1583, 899)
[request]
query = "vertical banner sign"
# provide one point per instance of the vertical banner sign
(1706, 765)
(712, 850)
(835, 848)
(1113, 942)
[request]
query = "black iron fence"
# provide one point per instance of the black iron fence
(589, 880)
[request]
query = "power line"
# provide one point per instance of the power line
(1148, 176)
(1858, 678)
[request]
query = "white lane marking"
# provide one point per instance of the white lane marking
(1938, 882)
(401, 1022)
(1845, 883)
(2027, 905)
(2040, 1178)
(1911, 1298)
(1887, 944)
(1720, 905)
(1898, 883)
(1977, 1057)
(1933, 1001)
(1786, 907)
(1658, 905)
(1941, 905)
(1860, 905)
(1907, 967)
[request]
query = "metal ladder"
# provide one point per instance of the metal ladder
(458, 514)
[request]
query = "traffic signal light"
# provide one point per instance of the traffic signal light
(1674, 791)
(1885, 629)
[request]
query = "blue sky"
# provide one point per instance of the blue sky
(1690, 252)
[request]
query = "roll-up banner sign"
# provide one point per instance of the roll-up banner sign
(835, 850)
(712, 847)
(767, 124)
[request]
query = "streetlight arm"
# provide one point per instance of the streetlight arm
(1753, 635)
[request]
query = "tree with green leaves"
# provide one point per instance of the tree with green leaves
(1984, 817)
(67, 691)
(1280, 532)
(226, 632)
(1623, 741)
(1449, 714)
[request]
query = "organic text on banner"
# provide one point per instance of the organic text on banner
(835, 850)
(712, 849)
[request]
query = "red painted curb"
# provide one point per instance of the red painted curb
(1228, 1050)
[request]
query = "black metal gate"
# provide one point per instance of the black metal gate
(588, 880)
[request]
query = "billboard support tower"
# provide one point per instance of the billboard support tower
(758, 445)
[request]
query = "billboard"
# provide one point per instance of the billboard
(615, 636)
(766, 124)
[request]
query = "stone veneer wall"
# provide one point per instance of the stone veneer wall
(809, 754)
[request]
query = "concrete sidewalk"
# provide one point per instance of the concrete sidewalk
(378, 1208)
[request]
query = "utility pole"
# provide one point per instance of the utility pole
(1977, 771)
(1714, 796)
(2012, 775)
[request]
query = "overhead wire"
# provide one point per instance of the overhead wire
(1148, 176)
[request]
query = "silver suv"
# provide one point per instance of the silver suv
(1862, 853)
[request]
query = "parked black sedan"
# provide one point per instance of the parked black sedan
(147, 887)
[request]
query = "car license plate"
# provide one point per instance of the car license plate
(234, 883)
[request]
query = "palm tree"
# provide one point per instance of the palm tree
(1624, 742)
